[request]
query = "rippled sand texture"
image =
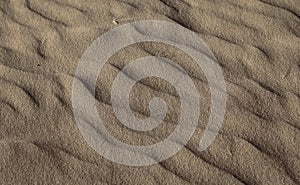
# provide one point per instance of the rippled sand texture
(256, 42)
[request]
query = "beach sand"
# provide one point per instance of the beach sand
(256, 42)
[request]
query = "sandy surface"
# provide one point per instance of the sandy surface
(256, 42)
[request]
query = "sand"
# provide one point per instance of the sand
(255, 41)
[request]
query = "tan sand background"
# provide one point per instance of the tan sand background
(256, 42)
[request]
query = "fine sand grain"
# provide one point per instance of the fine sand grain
(257, 43)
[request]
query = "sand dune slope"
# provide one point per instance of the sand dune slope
(257, 43)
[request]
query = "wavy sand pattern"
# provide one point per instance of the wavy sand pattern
(257, 43)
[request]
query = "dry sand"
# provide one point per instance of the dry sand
(256, 42)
